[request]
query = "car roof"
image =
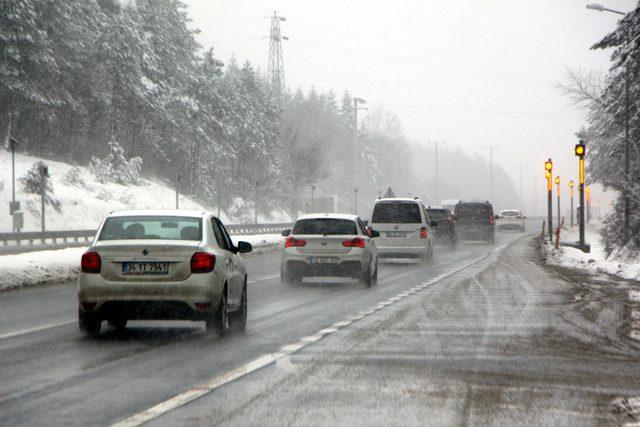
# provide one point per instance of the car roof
(158, 212)
(437, 208)
(399, 199)
(328, 215)
(510, 210)
(475, 203)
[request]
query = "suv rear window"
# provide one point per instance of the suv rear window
(437, 214)
(151, 227)
(509, 213)
(396, 213)
(475, 211)
(325, 226)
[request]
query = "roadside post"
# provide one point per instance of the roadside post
(588, 196)
(14, 205)
(44, 174)
(571, 197)
(557, 181)
(548, 168)
(580, 150)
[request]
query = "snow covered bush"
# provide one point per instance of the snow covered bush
(241, 210)
(32, 183)
(74, 178)
(115, 167)
(104, 195)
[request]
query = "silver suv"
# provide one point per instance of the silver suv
(334, 245)
(404, 227)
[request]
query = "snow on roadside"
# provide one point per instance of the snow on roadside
(55, 266)
(622, 263)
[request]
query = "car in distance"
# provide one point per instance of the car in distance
(404, 227)
(329, 245)
(510, 219)
(443, 225)
(173, 265)
(475, 221)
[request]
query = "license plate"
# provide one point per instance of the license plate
(396, 234)
(145, 268)
(323, 260)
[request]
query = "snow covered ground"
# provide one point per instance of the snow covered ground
(623, 263)
(44, 267)
(84, 203)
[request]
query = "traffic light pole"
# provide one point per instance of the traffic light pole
(571, 208)
(581, 213)
(550, 211)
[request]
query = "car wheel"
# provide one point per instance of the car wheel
(287, 278)
(219, 321)
(492, 239)
(89, 324)
(119, 324)
(238, 320)
(367, 277)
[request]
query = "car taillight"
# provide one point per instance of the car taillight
(423, 233)
(91, 262)
(490, 219)
(202, 262)
(358, 242)
(293, 242)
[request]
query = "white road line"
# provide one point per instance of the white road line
(217, 382)
(36, 329)
(262, 279)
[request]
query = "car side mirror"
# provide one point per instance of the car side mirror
(496, 217)
(366, 222)
(244, 247)
(286, 233)
(374, 233)
(433, 223)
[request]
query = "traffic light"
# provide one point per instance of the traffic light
(580, 149)
(571, 184)
(557, 180)
(548, 165)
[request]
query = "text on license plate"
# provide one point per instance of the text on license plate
(140, 268)
(396, 234)
(323, 260)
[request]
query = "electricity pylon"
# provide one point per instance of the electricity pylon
(275, 71)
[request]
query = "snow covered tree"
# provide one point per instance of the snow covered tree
(36, 181)
(115, 167)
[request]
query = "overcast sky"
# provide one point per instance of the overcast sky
(472, 73)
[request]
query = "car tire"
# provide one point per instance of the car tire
(238, 319)
(286, 278)
(219, 320)
(89, 324)
(119, 324)
(367, 278)
(492, 239)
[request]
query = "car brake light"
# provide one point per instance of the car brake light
(490, 219)
(91, 262)
(358, 242)
(293, 242)
(202, 262)
(423, 233)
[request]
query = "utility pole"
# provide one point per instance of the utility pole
(178, 192)
(275, 69)
(520, 194)
(356, 147)
(491, 148)
(557, 181)
(436, 144)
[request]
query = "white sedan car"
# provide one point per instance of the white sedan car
(510, 219)
(175, 265)
(333, 245)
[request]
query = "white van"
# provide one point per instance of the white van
(404, 227)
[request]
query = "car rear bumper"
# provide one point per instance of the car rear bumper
(343, 269)
(510, 226)
(480, 233)
(402, 252)
(149, 300)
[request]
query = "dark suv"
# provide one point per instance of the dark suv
(442, 225)
(475, 221)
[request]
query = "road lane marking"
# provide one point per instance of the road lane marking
(262, 279)
(36, 329)
(263, 361)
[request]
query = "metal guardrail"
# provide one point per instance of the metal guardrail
(37, 240)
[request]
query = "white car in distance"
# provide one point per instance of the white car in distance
(510, 219)
(329, 245)
(170, 265)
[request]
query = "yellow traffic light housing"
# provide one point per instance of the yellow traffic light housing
(548, 165)
(557, 180)
(571, 184)
(580, 149)
(547, 174)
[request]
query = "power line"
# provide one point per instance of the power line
(471, 111)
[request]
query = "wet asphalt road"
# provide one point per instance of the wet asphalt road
(498, 341)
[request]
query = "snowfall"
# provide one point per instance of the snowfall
(621, 262)
(84, 203)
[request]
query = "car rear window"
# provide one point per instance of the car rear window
(151, 227)
(325, 226)
(473, 211)
(396, 213)
(437, 215)
(509, 213)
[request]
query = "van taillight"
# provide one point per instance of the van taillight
(90, 262)
(358, 242)
(202, 262)
(423, 233)
(293, 242)
(491, 219)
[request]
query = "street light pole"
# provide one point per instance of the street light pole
(436, 144)
(313, 187)
(571, 196)
(356, 148)
(491, 148)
